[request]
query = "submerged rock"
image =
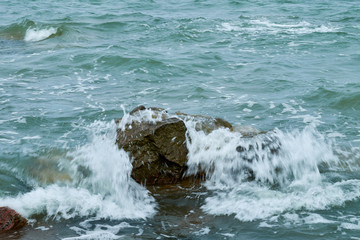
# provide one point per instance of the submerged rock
(10, 220)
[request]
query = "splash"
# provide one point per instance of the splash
(267, 175)
(275, 157)
(101, 185)
(151, 115)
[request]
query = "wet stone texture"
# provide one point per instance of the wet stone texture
(10, 220)
(158, 150)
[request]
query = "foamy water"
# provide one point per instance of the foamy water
(289, 68)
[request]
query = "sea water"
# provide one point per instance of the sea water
(290, 68)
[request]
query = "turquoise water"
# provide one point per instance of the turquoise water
(68, 69)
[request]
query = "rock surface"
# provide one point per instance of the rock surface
(10, 219)
(158, 149)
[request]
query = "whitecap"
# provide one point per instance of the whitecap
(35, 34)
(31, 137)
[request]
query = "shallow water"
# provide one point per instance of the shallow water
(68, 70)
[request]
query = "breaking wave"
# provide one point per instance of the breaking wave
(29, 31)
(100, 184)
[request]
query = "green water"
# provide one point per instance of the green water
(68, 68)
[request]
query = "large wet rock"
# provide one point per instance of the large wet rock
(158, 149)
(158, 145)
(10, 220)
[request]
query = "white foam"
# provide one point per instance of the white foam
(272, 105)
(228, 234)
(43, 228)
(265, 26)
(351, 226)
(251, 201)
(270, 24)
(100, 232)
(35, 34)
(309, 119)
(335, 135)
(308, 218)
(146, 115)
(31, 137)
(203, 231)
(101, 235)
(314, 218)
(229, 27)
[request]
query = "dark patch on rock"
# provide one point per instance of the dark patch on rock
(158, 149)
(10, 220)
(263, 146)
(268, 145)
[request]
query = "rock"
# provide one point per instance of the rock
(156, 142)
(10, 219)
(158, 149)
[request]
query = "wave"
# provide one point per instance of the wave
(250, 174)
(337, 99)
(29, 31)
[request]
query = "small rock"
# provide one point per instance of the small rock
(10, 219)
